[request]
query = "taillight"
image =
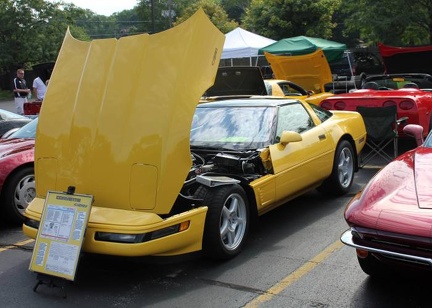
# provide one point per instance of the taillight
(389, 103)
(326, 105)
(339, 105)
(406, 105)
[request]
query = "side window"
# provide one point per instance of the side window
(293, 117)
(321, 113)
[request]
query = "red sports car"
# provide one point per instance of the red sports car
(411, 93)
(17, 181)
(391, 218)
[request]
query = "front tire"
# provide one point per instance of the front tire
(342, 176)
(18, 192)
(371, 266)
(227, 221)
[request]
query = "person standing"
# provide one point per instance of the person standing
(39, 88)
(20, 91)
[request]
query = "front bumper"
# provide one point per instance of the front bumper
(348, 239)
(123, 223)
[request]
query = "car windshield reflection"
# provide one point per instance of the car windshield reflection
(232, 127)
(27, 131)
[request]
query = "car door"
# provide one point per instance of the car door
(302, 164)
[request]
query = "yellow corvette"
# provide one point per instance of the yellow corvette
(161, 185)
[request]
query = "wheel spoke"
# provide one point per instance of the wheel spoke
(232, 222)
(345, 167)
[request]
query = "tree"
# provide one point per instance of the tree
(280, 19)
(235, 8)
(32, 31)
(398, 24)
(214, 11)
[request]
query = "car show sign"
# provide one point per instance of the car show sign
(60, 235)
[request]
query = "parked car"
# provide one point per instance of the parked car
(246, 81)
(285, 88)
(17, 181)
(390, 219)
(167, 175)
(249, 156)
(352, 69)
(10, 120)
(411, 93)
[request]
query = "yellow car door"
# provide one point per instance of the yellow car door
(307, 159)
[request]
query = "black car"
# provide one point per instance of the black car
(350, 71)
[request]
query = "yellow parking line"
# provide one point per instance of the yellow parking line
(296, 275)
(22, 243)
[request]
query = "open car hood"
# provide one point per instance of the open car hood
(115, 122)
(238, 81)
(406, 59)
(311, 71)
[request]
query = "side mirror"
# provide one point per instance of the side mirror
(290, 136)
(415, 131)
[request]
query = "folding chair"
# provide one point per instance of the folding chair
(382, 132)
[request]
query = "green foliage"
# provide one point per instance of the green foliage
(32, 31)
(392, 22)
(214, 11)
(279, 19)
(235, 8)
(6, 95)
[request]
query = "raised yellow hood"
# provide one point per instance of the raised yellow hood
(116, 119)
(311, 71)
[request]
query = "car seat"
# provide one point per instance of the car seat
(370, 85)
(411, 85)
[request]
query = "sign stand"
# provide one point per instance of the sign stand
(60, 237)
(51, 282)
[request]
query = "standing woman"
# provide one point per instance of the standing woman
(21, 91)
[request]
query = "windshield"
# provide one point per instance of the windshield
(394, 83)
(7, 115)
(233, 127)
(27, 131)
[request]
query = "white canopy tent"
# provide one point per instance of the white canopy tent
(240, 43)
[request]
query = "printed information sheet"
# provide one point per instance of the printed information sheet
(61, 233)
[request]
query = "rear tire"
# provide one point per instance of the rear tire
(342, 176)
(227, 221)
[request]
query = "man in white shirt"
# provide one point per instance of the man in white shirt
(39, 88)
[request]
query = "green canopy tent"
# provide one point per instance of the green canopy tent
(301, 45)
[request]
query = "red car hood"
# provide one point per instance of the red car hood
(399, 198)
(406, 59)
(13, 146)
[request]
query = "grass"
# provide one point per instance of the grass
(5, 95)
